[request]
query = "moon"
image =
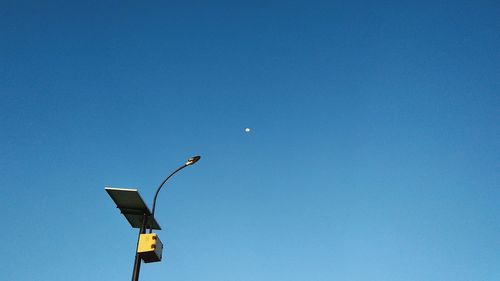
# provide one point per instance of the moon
(247, 130)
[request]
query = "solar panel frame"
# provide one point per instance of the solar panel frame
(133, 208)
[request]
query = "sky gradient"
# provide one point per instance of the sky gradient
(374, 151)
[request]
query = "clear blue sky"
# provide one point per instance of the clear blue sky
(374, 150)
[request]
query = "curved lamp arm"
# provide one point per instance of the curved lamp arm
(190, 162)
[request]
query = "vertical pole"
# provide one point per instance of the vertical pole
(137, 261)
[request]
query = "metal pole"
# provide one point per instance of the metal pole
(158, 190)
(137, 261)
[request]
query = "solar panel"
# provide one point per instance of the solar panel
(132, 206)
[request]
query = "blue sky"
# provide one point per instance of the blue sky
(373, 155)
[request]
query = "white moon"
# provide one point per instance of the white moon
(247, 130)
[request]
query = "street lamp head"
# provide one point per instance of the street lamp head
(192, 160)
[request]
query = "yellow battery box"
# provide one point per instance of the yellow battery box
(150, 247)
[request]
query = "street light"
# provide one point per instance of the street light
(189, 162)
(138, 215)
